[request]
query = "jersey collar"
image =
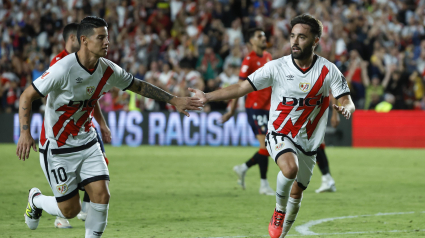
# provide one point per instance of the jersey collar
(312, 64)
(88, 71)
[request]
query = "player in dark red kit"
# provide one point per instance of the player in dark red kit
(257, 106)
(71, 46)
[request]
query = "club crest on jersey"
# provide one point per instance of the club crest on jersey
(90, 90)
(62, 188)
(279, 146)
(305, 87)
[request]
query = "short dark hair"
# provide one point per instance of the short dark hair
(69, 29)
(251, 33)
(316, 26)
(88, 24)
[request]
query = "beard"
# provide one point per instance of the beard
(303, 53)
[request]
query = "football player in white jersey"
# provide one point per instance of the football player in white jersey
(298, 114)
(69, 153)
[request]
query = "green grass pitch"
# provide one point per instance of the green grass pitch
(192, 192)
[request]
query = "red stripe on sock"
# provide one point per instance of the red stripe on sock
(263, 152)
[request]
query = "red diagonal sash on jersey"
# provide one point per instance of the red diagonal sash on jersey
(73, 128)
(286, 109)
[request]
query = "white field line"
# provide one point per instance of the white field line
(304, 229)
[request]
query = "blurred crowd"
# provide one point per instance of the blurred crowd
(378, 45)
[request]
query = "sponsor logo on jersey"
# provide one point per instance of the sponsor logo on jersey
(62, 188)
(79, 80)
(290, 77)
(244, 68)
(90, 90)
(258, 63)
(309, 102)
(44, 75)
(305, 87)
(279, 146)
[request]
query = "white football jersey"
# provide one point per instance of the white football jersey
(300, 100)
(73, 92)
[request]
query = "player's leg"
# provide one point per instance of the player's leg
(86, 199)
(263, 164)
(285, 155)
(60, 172)
(97, 214)
(292, 208)
(94, 178)
(328, 183)
(257, 119)
(306, 165)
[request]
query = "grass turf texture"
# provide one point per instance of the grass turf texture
(192, 192)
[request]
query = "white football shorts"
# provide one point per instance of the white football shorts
(278, 144)
(70, 169)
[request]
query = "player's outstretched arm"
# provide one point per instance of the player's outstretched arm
(347, 106)
(26, 141)
(233, 91)
(181, 103)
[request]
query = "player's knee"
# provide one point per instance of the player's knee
(70, 211)
(296, 192)
(289, 169)
(101, 197)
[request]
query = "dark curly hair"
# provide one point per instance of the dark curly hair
(316, 26)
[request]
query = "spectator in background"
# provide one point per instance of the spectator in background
(354, 77)
(142, 32)
(234, 59)
(395, 87)
(191, 77)
(38, 70)
(415, 91)
(209, 64)
(375, 89)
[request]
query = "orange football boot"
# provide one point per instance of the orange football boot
(276, 224)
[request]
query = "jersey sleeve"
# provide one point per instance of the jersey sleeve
(121, 78)
(339, 84)
(245, 70)
(262, 77)
(50, 80)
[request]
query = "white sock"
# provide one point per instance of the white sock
(264, 183)
(283, 188)
(244, 167)
(84, 206)
(48, 204)
(291, 213)
(97, 216)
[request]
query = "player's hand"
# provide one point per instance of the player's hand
(199, 94)
(183, 104)
(226, 117)
(343, 111)
(106, 134)
(335, 120)
(25, 143)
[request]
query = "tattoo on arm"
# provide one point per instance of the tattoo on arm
(148, 90)
(25, 127)
(25, 108)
